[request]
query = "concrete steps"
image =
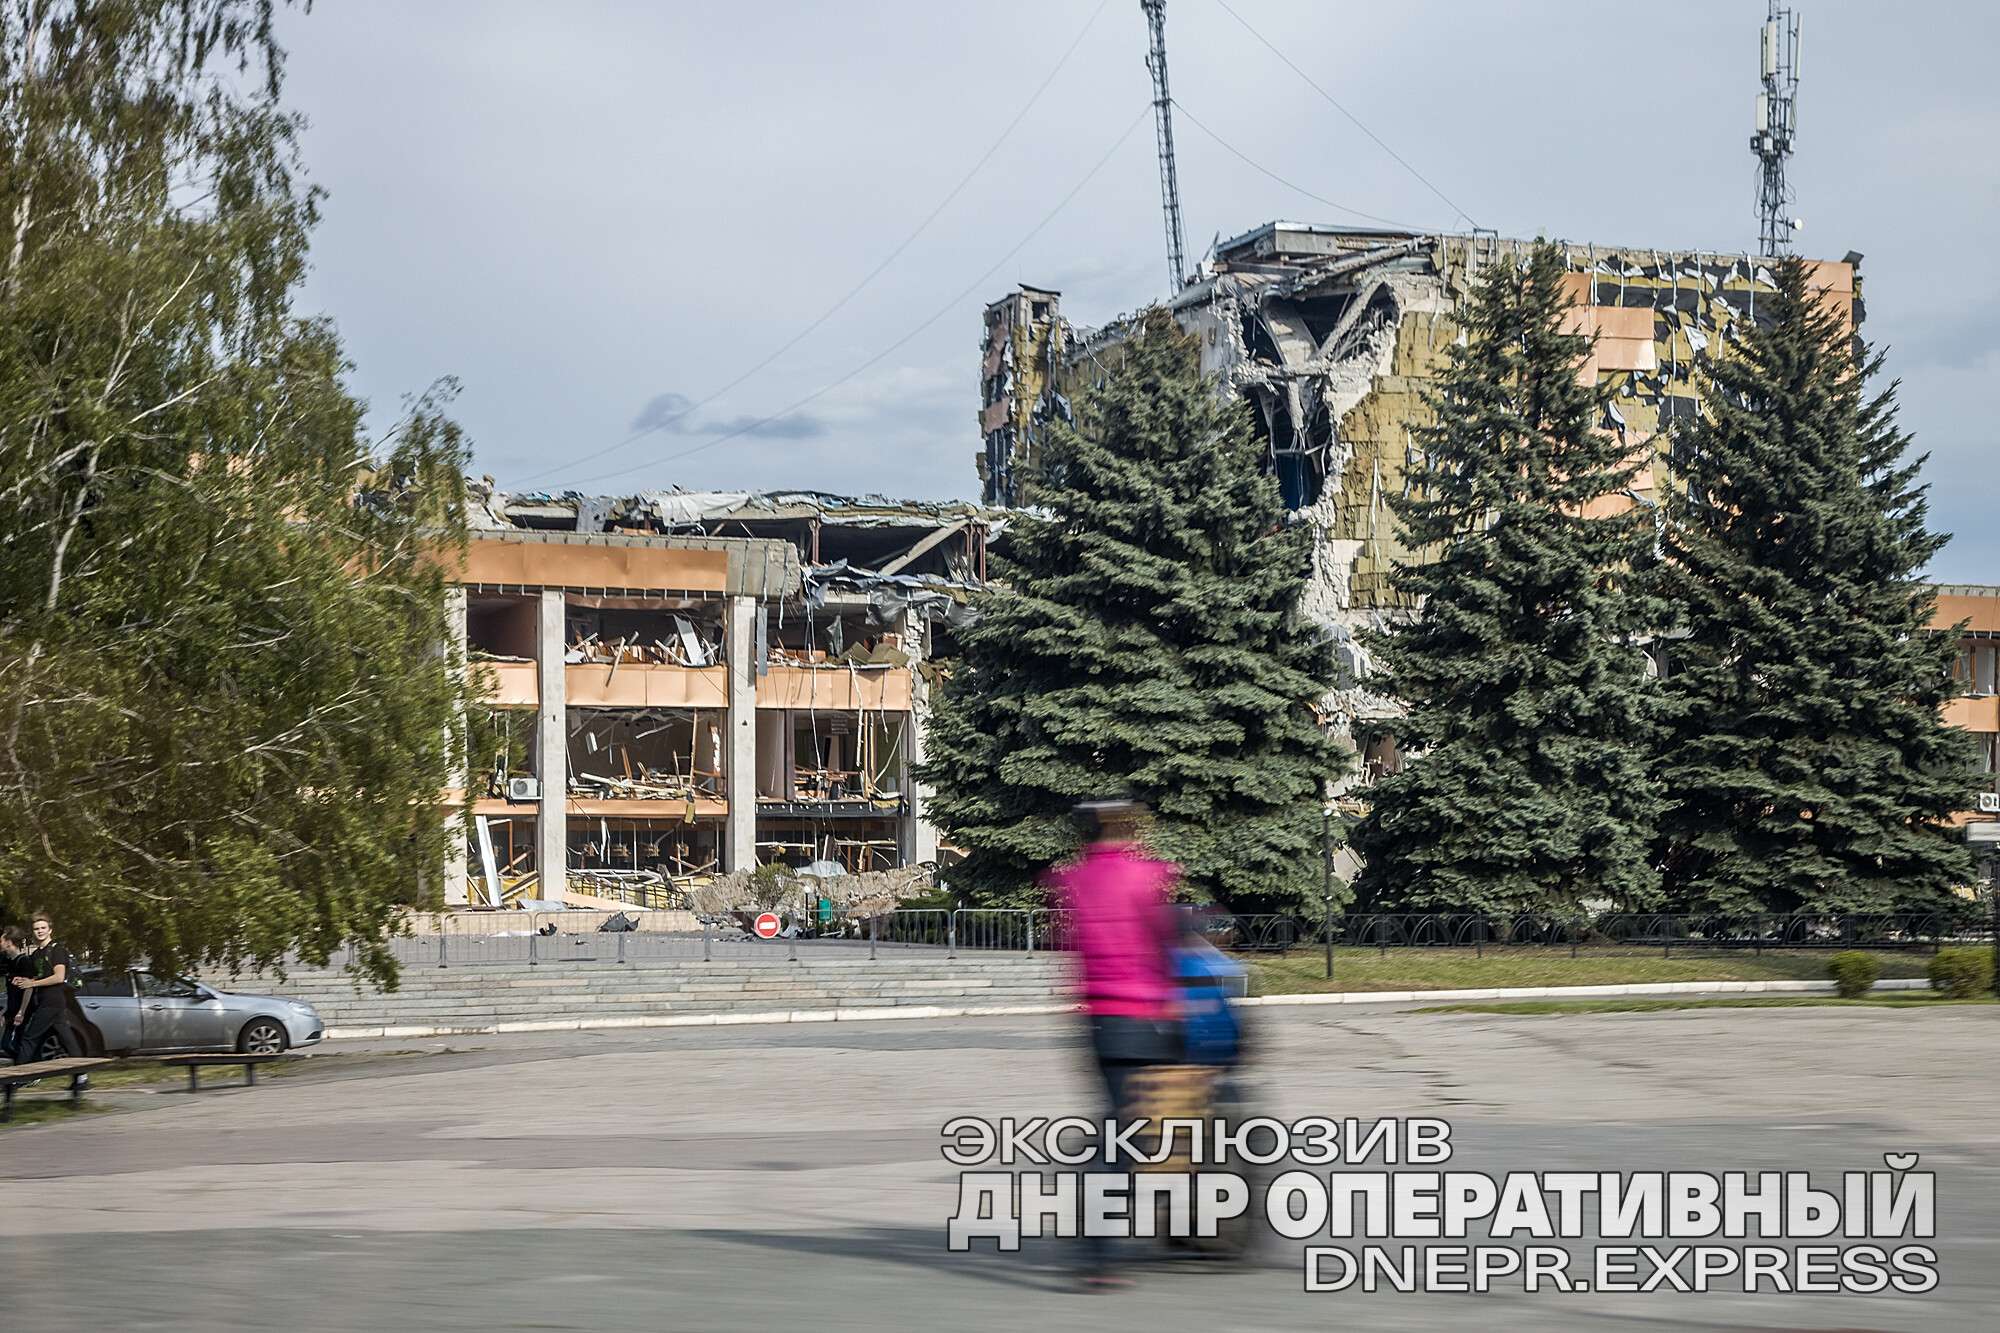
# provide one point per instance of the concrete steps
(497, 997)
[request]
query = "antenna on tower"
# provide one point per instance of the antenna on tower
(1163, 125)
(1777, 122)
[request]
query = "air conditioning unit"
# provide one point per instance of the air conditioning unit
(524, 789)
(1989, 803)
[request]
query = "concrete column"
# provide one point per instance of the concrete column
(552, 748)
(919, 836)
(740, 833)
(455, 822)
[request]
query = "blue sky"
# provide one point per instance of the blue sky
(594, 214)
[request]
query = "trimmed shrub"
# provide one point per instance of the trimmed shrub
(1853, 973)
(1962, 974)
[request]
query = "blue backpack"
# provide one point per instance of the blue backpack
(1210, 1031)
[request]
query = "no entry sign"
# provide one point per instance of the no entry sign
(767, 926)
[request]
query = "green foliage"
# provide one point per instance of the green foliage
(1853, 973)
(499, 744)
(1529, 698)
(1144, 641)
(1963, 973)
(773, 885)
(222, 733)
(1808, 766)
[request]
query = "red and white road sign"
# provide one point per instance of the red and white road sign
(767, 926)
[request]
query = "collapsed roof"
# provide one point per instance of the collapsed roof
(894, 555)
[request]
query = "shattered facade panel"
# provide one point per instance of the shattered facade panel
(699, 682)
(1022, 354)
(1335, 336)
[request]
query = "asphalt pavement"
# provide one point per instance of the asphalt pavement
(790, 1177)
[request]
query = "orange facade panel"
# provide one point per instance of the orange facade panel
(1626, 353)
(1830, 275)
(993, 416)
(635, 685)
(565, 565)
(498, 806)
(835, 689)
(1980, 715)
(1624, 334)
(508, 684)
(1634, 322)
(1982, 612)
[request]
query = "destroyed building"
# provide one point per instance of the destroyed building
(676, 685)
(1972, 613)
(1333, 336)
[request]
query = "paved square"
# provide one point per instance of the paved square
(791, 1177)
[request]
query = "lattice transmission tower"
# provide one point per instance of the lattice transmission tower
(1163, 128)
(1777, 123)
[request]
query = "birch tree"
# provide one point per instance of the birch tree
(223, 707)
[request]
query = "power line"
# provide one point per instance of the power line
(1290, 185)
(869, 277)
(947, 308)
(1335, 104)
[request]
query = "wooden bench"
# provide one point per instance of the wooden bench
(77, 1067)
(196, 1063)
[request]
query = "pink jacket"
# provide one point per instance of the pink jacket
(1118, 899)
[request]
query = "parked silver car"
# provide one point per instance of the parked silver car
(128, 1012)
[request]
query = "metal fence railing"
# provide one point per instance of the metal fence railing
(528, 939)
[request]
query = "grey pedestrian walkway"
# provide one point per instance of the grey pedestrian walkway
(790, 1177)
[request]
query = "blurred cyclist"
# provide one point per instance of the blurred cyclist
(1124, 934)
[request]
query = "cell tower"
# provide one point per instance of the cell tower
(1777, 122)
(1163, 126)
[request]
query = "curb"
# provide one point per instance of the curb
(877, 1014)
(886, 1013)
(1576, 992)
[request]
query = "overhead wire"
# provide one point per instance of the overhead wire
(1334, 102)
(748, 427)
(1254, 165)
(872, 274)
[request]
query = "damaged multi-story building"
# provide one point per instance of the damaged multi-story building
(675, 685)
(1334, 336)
(1972, 613)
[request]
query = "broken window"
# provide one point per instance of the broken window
(836, 757)
(854, 845)
(1380, 757)
(641, 861)
(827, 639)
(1978, 667)
(646, 753)
(621, 632)
(500, 629)
(500, 859)
(499, 751)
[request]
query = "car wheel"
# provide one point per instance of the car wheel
(263, 1036)
(51, 1048)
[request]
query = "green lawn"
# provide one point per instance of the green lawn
(1893, 1000)
(1303, 970)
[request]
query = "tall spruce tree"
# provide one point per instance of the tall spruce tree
(1528, 693)
(1806, 761)
(1143, 640)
